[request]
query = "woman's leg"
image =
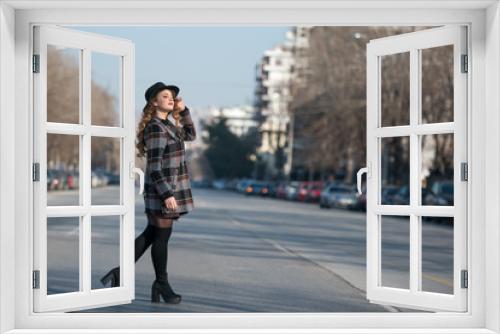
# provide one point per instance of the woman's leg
(144, 240)
(159, 255)
(159, 248)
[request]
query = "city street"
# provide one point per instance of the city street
(235, 253)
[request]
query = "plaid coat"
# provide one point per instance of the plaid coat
(166, 169)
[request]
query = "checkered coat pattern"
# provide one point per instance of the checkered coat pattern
(166, 169)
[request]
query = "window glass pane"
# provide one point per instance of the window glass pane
(395, 89)
(105, 176)
(63, 159)
(63, 235)
(105, 247)
(106, 89)
(437, 84)
(437, 254)
(63, 84)
(395, 271)
(437, 169)
(395, 170)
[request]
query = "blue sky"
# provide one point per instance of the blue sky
(212, 65)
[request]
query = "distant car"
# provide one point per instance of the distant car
(94, 180)
(402, 197)
(241, 185)
(257, 188)
(219, 184)
(301, 192)
(72, 179)
(201, 184)
(338, 195)
(291, 190)
(345, 198)
(113, 178)
(444, 189)
(388, 193)
(314, 191)
(272, 187)
(281, 190)
(52, 181)
(56, 179)
(309, 191)
(231, 184)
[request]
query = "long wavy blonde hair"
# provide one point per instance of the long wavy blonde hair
(147, 113)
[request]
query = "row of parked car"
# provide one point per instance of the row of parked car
(335, 194)
(326, 194)
(58, 179)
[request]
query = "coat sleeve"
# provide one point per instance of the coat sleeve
(188, 132)
(155, 143)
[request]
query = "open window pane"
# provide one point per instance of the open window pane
(63, 257)
(437, 254)
(395, 89)
(105, 247)
(437, 169)
(106, 89)
(70, 158)
(395, 262)
(63, 159)
(437, 84)
(63, 75)
(105, 177)
(395, 170)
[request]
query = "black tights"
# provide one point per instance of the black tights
(158, 238)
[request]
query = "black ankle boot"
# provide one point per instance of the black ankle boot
(114, 276)
(163, 288)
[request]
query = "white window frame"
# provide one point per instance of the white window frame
(16, 125)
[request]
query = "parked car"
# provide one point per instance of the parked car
(331, 196)
(345, 198)
(402, 197)
(95, 181)
(201, 184)
(314, 191)
(219, 184)
(257, 188)
(272, 186)
(56, 179)
(241, 185)
(281, 190)
(388, 193)
(72, 180)
(309, 191)
(291, 190)
(231, 184)
(444, 189)
(113, 178)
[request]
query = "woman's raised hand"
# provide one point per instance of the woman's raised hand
(179, 104)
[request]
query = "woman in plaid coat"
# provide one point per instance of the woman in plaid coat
(167, 189)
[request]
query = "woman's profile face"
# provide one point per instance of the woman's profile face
(164, 100)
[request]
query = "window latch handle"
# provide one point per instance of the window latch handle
(360, 173)
(133, 171)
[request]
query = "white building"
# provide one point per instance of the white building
(278, 67)
(239, 118)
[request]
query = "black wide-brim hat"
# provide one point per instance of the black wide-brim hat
(158, 87)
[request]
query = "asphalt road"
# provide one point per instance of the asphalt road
(236, 253)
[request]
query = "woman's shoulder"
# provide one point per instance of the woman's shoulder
(154, 126)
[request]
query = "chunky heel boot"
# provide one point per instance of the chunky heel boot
(162, 287)
(114, 276)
